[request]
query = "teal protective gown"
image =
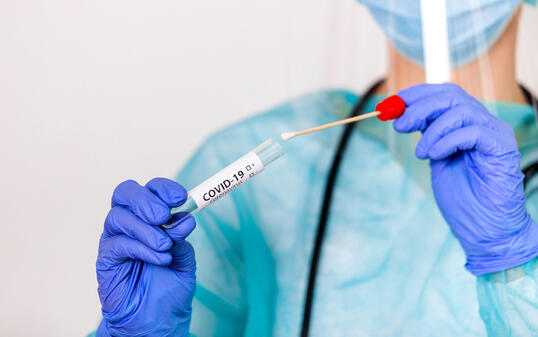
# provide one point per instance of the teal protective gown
(389, 265)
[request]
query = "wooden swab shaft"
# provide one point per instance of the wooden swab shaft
(343, 121)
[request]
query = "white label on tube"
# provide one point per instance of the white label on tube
(226, 180)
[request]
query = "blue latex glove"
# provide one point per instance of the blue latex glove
(146, 274)
(475, 173)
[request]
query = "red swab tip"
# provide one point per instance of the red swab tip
(391, 108)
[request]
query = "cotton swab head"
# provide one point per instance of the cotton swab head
(391, 108)
(287, 135)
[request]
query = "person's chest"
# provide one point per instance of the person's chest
(389, 265)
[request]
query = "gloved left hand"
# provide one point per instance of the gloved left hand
(475, 173)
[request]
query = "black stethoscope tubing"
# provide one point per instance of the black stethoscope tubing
(529, 171)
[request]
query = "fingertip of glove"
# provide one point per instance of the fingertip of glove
(434, 154)
(160, 214)
(399, 125)
(165, 243)
(170, 191)
(182, 228)
(178, 196)
(177, 219)
(165, 258)
(404, 94)
(421, 153)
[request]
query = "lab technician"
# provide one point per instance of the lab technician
(427, 233)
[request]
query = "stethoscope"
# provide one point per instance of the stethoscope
(529, 171)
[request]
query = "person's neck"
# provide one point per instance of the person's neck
(491, 77)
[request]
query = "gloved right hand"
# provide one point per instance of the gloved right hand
(475, 174)
(146, 274)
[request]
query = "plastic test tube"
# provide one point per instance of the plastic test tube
(228, 179)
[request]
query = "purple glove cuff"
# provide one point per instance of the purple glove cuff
(526, 243)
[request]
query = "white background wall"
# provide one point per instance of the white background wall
(94, 92)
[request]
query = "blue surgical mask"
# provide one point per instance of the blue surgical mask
(473, 26)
